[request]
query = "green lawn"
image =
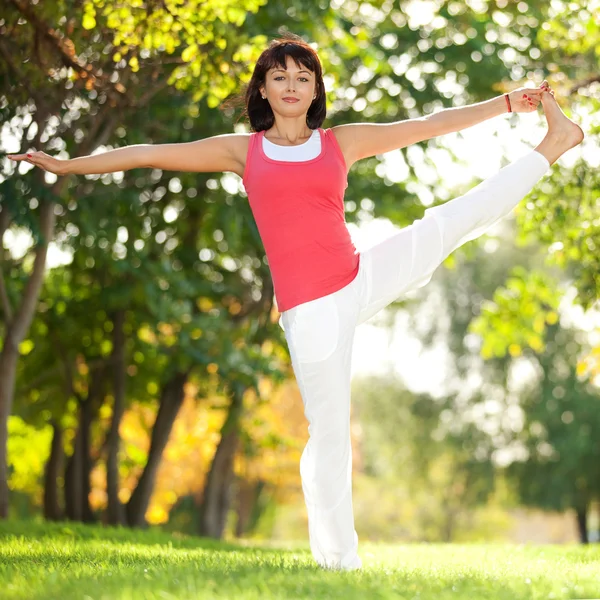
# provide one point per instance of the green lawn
(66, 560)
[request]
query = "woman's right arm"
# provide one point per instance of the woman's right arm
(219, 153)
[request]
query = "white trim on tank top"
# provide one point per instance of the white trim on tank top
(306, 151)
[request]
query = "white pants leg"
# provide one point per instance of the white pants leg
(320, 336)
(407, 260)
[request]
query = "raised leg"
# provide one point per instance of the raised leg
(408, 259)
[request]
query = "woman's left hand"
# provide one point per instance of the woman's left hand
(526, 100)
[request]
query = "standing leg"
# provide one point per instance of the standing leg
(320, 334)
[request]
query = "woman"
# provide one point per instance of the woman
(295, 175)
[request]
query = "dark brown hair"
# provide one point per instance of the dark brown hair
(257, 110)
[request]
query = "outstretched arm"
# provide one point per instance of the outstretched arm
(361, 140)
(219, 153)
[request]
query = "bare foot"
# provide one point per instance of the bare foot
(563, 134)
(558, 123)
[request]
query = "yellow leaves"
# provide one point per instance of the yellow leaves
(582, 368)
(535, 343)
(234, 307)
(134, 64)
(486, 351)
(590, 365)
(145, 334)
(106, 347)
(166, 329)
(170, 45)
(25, 347)
(515, 350)
(213, 101)
(28, 449)
(157, 39)
(156, 514)
(113, 22)
(539, 323)
(88, 22)
(212, 368)
(236, 15)
(190, 53)
(194, 439)
(205, 304)
(552, 317)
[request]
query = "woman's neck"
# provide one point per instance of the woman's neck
(290, 134)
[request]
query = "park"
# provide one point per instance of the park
(299, 299)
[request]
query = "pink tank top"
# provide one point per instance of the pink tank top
(299, 211)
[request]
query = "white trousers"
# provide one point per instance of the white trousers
(320, 336)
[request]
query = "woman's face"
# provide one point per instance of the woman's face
(290, 92)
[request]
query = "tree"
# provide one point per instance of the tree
(62, 73)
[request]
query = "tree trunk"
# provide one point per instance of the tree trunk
(89, 412)
(248, 506)
(116, 511)
(73, 473)
(80, 464)
(171, 400)
(16, 330)
(581, 515)
(17, 326)
(216, 498)
(53, 469)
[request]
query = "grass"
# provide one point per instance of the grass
(70, 560)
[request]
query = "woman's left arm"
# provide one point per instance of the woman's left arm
(361, 140)
(450, 120)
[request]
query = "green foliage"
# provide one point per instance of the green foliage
(541, 426)
(181, 251)
(561, 426)
(407, 442)
(518, 314)
(195, 32)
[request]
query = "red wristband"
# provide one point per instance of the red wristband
(508, 102)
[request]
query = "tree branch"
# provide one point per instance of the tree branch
(584, 84)
(65, 48)
(39, 101)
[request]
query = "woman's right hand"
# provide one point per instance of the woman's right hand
(42, 160)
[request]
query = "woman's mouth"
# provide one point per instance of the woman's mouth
(291, 100)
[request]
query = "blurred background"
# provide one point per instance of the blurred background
(144, 379)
